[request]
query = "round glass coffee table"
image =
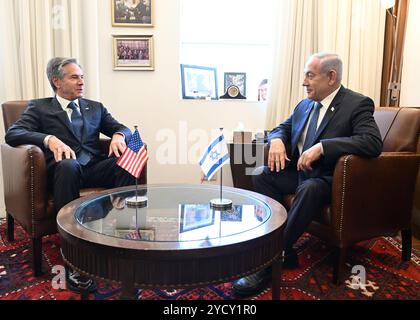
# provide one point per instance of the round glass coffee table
(175, 240)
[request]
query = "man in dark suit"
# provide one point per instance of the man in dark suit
(67, 128)
(331, 122)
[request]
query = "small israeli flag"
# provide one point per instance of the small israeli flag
(214, 157)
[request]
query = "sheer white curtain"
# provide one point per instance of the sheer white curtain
(352, 28)
(35, 31)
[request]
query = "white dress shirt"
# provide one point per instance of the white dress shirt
(322, 111)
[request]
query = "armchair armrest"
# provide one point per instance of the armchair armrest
(24, 179)
(373, 195)
(104, 145)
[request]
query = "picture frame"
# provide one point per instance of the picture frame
(236, 79)
(199, 82)
(132, 13)
(132, 52)
(195, 216)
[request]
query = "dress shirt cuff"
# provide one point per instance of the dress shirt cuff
(322, 148)
(46, 139)
(118, 132)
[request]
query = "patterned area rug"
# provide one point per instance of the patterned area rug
(386, 277)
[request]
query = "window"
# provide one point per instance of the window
(231, 36)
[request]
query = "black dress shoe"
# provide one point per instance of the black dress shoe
(252, 284)
(80, 283)
(291, 260)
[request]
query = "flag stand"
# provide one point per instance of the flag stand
(220, 203)
(136, 201)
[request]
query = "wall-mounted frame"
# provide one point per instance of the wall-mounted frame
(132, 13)
(235, 78)
(133, 52)
(198, 82)
(195, 216)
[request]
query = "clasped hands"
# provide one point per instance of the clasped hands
(277, 156)
(59, 148)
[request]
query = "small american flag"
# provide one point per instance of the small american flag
(135, 156)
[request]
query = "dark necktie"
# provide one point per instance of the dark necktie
(310, 134)
(76, 120)
(77, 123)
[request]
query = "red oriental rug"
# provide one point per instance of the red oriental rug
(386, 276)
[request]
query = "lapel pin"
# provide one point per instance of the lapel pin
(332, 109)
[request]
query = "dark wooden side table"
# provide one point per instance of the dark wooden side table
(244, 158)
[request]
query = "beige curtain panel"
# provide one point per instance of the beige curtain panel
(352, 28)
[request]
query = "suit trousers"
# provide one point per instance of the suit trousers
(311, 195)
(68, 176)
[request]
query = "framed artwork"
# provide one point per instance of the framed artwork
(198, 82)
(133, 52)
(195, 216)
(237, 79)
(132, 13)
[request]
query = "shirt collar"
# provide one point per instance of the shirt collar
(64, 102)
(326, 102)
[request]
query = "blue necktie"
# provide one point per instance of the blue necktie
(83, 156)
(76, 120)
(310, 134)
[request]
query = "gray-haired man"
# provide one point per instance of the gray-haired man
(67, 128)
(331, 122)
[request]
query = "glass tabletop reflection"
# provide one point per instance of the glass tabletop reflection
(173, 213)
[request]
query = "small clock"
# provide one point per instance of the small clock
(232, 92)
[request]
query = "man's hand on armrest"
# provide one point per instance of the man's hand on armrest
(310, 156)
(277, 156)
(117, 145)
(58, 147)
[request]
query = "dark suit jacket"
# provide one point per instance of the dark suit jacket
(45, 117)
(348, 127)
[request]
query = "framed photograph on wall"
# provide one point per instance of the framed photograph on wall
(133, 52)
(235, 78)
(132, 13)
(198, 82)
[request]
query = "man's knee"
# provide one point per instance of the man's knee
(313, 188)
(68, 167)
(259, 175)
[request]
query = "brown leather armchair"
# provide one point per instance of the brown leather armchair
(370, 197)
(25, 187)
(373, 197)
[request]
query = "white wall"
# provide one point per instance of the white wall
(151, 99)
(411, 63)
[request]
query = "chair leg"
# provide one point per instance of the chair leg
(339, 260)
(10, 231)
(406, 244)
(37, 256)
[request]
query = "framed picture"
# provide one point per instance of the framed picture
(133, 52)
(195, 216)
(235, 78)
(132, 13)
(198, 82)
